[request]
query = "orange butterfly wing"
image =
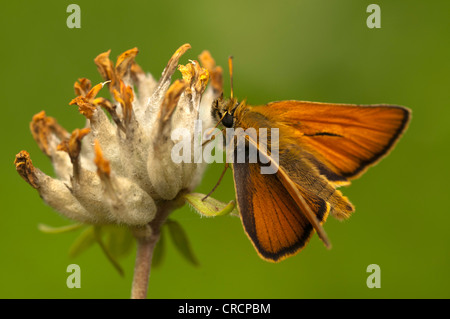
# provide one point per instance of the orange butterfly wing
(271, 218)
(343, 139)
(318, 143)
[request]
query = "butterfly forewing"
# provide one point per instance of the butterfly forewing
(343, 138)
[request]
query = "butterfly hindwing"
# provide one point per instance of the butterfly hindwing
(271, 218)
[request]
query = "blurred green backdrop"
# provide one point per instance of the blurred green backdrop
(307, 50)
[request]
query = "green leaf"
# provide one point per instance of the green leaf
(160, 249)
(210, 207)
(181, 241)
(83, 242)
(118, 240)
(59, 230)
(111, 258)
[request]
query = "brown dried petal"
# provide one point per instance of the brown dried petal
(82, 86)
(104, 171)
(195, 76)
(171, 99)
(42, 127)
(125, 61)
(73, 145)
(202, 77)
(25, 168)
(106, 68)
(215, 72)
(85, 107)
(188, 73)
(111, 109)
(86, 103)
(103, 166)
(173, 62)
(94, 91)
(125, 97)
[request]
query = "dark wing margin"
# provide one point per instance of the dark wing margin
(270, 216)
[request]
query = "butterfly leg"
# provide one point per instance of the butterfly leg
(213, 137)
(218, 182)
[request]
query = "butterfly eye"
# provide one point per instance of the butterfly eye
(228, 120)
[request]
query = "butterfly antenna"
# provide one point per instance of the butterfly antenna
(230, 67)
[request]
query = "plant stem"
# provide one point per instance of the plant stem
(147, 236)
(144, 253)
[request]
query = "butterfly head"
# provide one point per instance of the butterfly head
(223, 111)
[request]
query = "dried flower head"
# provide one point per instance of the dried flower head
(118, 169)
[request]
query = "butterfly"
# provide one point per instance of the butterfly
(321, 146)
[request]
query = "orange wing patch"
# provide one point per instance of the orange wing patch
(271, 218)
(344, 138)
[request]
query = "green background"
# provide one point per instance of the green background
(306, 50)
